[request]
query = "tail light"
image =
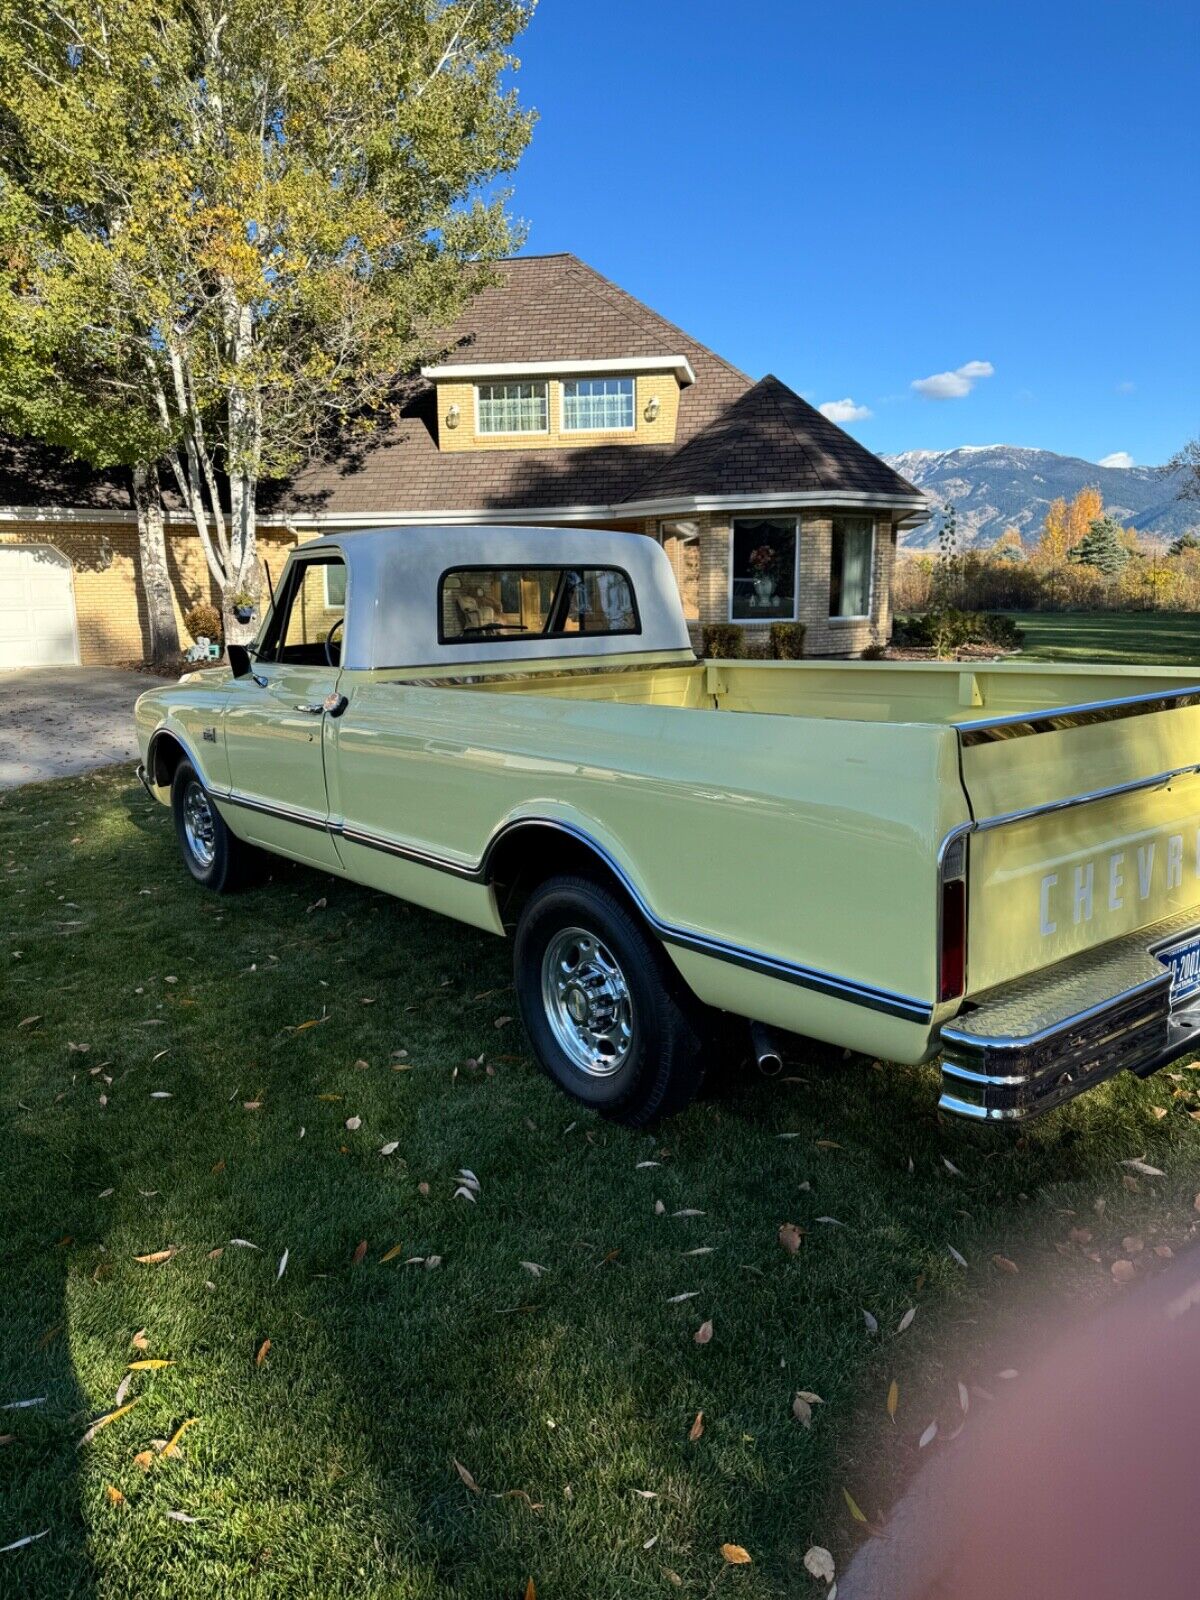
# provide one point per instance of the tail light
(952, 923)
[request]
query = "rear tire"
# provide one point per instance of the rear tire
(609, 1019)
(212, 854)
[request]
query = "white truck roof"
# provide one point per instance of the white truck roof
(393, 579)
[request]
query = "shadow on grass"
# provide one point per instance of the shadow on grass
(551, 1352)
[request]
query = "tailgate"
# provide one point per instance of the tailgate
(1087, 828)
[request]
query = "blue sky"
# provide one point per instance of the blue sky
(858, 197)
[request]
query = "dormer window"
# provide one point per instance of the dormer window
(597, 405)
(512, 408)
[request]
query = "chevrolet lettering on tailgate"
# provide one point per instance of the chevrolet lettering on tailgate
(997, 864)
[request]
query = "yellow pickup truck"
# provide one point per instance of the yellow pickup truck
(999, 862)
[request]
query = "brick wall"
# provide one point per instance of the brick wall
(110, 610)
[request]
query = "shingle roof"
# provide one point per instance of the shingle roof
(733, 436)
(767, 442)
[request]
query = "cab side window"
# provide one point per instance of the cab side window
(312, 605)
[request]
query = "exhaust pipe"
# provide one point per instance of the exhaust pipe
(767, 1054)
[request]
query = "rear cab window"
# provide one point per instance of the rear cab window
(498, 603)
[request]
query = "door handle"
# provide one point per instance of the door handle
(333, 702)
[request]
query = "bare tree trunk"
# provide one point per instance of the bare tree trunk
(244, 424)
(156, 580)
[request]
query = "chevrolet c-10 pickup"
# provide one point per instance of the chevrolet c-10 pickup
(994, 863)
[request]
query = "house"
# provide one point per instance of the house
(562, 400)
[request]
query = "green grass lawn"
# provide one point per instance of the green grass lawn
(181, 1072)
(1141, 638)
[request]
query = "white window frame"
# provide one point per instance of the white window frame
(856, 616)
(511, 433)
(620, 377)
(335, 605)
(754, 622)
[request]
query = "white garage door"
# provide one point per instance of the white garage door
(37, 608)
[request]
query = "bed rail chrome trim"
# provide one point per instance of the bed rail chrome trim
(1021, 724)
(1158, 780)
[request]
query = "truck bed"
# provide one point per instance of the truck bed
(937, 692)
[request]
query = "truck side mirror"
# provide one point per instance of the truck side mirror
(239, 659)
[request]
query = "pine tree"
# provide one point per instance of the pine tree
(1102, 546)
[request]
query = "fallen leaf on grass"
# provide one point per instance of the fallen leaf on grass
(7, 1438)
(697, 1428)
(115, 1497)
(534, 1268)
(819, 1563)
(263, 1351)
(893, 1399)
(28, 1022)
(466, 1476)
(283, 1261)
(144, 1459)
(736, 1555)
(964, 1398)
(354, 1124)
(244, 1244)
(30, 1538)
(677, 1299)
(390, 1148)
(950, 1167)
(161, 1094)
(360, 1251)
(957, 1255)
(140, 1341)
(1003, 1264)
(122, 1389)
(103, 1422)
(149, 1366)
(928, 1436)
(790, 1237)
(157, 1257)
(856, 1511)
(1132, 1244)
(1123, 1271)
(1147, 1171)
(689, 1211)
(172, 1443)
(906, 1321)
(390, 1255)
(703, 1333)
(181, 1516)
(463, 1193)
(871, 1323)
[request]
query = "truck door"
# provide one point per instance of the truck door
(274, 720)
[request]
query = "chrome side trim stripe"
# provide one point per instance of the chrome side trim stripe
(827, 983)
(303, 819)
(1021, 724)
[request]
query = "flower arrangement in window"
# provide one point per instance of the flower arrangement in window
(764, 565)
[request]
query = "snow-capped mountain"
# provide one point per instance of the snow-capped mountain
(997, 486)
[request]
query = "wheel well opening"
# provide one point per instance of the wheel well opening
(165, 755)
(528, 856)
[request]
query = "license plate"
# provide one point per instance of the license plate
(1184, 961)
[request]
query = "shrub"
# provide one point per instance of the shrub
(203, 620)
(875, 652)
(722, 641)
(787, 641)
(949, 630)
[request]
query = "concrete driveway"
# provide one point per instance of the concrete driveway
(59, 720)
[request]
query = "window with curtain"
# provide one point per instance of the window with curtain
(512, 408)
(850, 566)
(763, 585)
(596, 404)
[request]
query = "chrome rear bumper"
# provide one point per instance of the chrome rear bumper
(1040, 1041)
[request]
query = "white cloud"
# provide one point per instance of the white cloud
(953, 385)
(1119, 458)
(844, 411)
(1126, 386)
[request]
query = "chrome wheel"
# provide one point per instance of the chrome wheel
(199, 825)
(587, 1002)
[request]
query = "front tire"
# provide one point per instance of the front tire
(212, 854)
(609, 1019)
